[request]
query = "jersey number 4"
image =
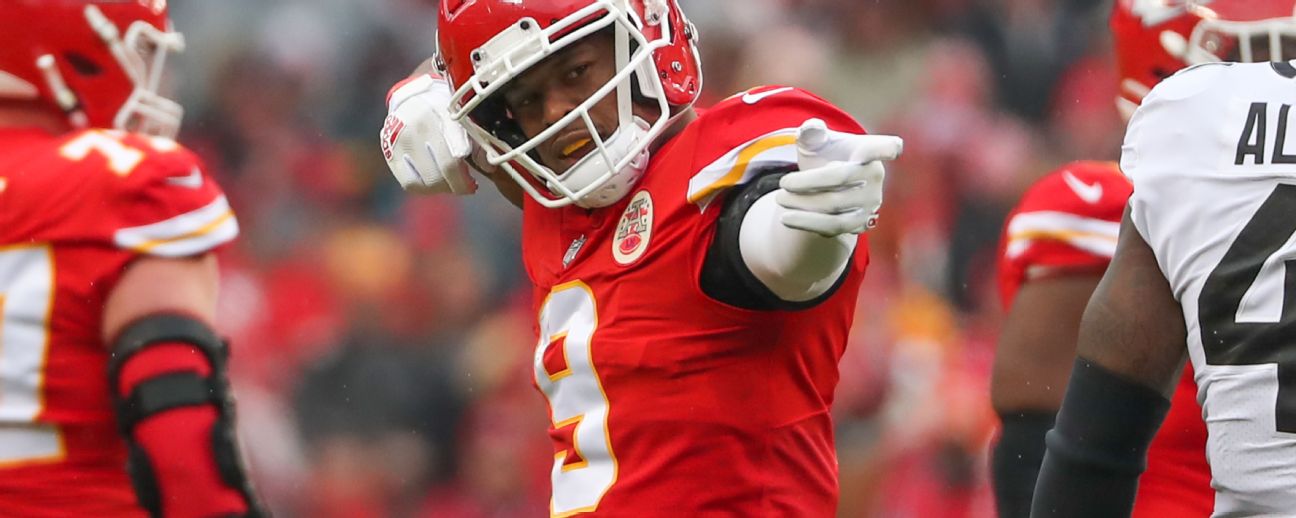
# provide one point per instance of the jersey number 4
(26, 299)
(1253, 265)
(584, 467)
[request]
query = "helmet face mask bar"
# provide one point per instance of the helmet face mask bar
(143, 52)
(1221, 40)
(616, 162)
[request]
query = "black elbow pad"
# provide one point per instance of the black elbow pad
(725, 276)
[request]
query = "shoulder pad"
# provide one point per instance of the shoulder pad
(159, 200)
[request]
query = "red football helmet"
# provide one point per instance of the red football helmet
(483, 44)
(1156, 38)
(99, 62)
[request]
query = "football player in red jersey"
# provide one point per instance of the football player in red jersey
(1058, 242)
(113, 393)
(695, 271)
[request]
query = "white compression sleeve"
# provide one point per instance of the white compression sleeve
(794, 264)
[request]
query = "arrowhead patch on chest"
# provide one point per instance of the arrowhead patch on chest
(634, 230)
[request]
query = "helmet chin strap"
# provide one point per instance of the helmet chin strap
(66, 99)
(595, 165)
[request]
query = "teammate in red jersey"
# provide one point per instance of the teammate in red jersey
(107, 280)
(1059, 241)
(1055, 247)
(695, 271)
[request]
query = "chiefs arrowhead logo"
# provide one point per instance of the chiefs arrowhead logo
(392, 128)
(634, 230)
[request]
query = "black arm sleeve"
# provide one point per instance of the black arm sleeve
(1099, 446)
(1017, 458)
(725, 276)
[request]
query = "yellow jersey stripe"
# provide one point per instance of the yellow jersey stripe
(148, 246)
(745, 157)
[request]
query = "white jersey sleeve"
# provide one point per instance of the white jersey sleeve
(1214, 173)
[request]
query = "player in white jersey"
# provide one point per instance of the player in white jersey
(1203, 260)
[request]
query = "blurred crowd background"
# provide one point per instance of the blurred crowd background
(382, 341)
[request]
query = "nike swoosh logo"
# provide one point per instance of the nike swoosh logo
(1090, 193)
(753, 98)
(193, 180)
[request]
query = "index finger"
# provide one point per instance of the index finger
(870, 148)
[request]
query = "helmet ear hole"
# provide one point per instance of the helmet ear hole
(82, 65)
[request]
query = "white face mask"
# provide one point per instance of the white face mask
(591, 168)
(1246, 42)
(614, 166)
(142, 54)
(146, 110)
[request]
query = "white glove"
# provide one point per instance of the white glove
(838, 189)
(424, 148)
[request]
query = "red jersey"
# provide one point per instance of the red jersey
(665, 402)
(75, 209)
(1067, 223)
